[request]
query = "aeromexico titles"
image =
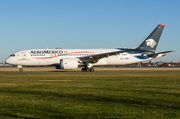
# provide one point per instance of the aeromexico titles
(72, 58)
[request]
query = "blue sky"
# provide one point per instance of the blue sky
(41, 24)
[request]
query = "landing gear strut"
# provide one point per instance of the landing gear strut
(87, 69)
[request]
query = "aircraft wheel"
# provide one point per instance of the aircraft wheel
(21, 70)
(92, 70)
(83, 69)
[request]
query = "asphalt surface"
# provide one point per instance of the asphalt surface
(97, 69)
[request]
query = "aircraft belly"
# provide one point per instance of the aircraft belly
(122, 60)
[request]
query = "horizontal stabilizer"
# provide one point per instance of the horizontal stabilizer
(150, 55)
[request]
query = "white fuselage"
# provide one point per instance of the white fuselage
(45, 57)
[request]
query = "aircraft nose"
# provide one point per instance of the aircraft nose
(7, 61)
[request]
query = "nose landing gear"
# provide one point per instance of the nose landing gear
(20, 68)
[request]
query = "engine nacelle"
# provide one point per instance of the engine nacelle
(68, 64)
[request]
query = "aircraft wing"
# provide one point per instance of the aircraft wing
(150, 55)
(96, 57)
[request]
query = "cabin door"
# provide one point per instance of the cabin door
(23, 55)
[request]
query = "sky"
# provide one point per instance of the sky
(87, 24)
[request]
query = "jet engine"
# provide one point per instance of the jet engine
(67, 64)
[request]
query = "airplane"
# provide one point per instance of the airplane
(72, 58)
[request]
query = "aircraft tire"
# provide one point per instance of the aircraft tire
(87, 70)
(84, 70)
(21, 69)
(92, 70)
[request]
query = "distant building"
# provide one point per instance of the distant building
(3, 64)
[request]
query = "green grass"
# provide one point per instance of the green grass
(90, 95)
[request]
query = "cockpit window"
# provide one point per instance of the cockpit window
(12, 55)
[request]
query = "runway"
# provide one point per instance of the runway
(97, 69)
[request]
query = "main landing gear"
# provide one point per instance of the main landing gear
(87, 70)
(87, 67)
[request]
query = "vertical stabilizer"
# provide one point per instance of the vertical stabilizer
(151, 41)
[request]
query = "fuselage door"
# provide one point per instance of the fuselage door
(23, 55)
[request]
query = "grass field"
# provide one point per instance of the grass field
(102, 94)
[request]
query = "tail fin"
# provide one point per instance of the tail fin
(151, 41)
